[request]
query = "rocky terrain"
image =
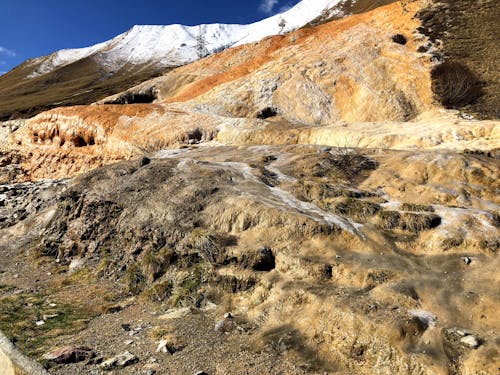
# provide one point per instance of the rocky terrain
(324, 201)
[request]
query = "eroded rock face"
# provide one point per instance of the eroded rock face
(320, 75)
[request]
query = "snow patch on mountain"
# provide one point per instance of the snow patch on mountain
(176, 45)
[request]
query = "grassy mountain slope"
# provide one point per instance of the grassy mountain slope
(81, 82)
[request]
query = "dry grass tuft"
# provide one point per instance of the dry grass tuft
(455, 85)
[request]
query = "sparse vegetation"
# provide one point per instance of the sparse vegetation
(355, 208)
(419, 222)
(19, 314)
(211, 246)
(416, 207)
(185, 292)
(389, 219)
(155, 264)
(412, 222)
(490, 244)
(455, 85)
(135, 280)
(161, 291)
(451, 242)
(6, 288)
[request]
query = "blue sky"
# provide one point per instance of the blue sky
(32, 28)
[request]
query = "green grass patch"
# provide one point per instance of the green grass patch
(19, 314)
(6, 288)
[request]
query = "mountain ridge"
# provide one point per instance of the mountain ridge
(142, 52)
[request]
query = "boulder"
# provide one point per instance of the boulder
(69, 354)
(120, 361)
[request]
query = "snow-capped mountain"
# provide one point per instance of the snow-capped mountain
(86, 75)
(175, 45)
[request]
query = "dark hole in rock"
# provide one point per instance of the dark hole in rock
(435, 221)
(267, 113)
(399, 39)
(79, 142)
(144, 97)
(144, 161)
(423, 49)
(264, 261)
(195, 135)
(328, 271)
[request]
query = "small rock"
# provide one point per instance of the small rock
(126, 327)
(51, 316)
(95, 361)
(162, 346)
(470, 341)
(120, 361)
(219, 325)
(40, 323)
(426, 317)
(129, 342)
(200, 373)
(466, 116)
(467, 260)
(170, 345)
(76, 264)
(209, 306)
(69, 354)
(228, 315)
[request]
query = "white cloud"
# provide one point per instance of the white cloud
(2, 73)
(284, 8)
(267, 6)
(7, 52)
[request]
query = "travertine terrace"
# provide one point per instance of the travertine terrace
(304, 204)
